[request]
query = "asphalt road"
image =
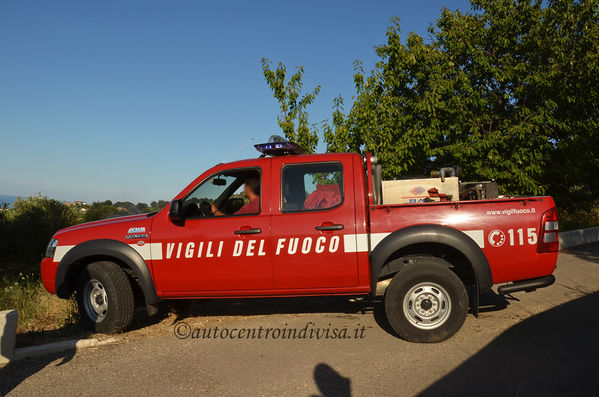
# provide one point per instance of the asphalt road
(541, 343)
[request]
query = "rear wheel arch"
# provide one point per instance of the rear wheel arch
(105, 250)
(406, 245)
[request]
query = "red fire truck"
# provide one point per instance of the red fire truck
(288, 224)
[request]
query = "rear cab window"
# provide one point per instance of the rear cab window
(311, 187)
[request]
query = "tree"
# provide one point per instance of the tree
(29, 225)
(98, 211)
(337, 136)
(509, 91)
(128, 206)
(293, 118)
(141, 207)
(156, 206)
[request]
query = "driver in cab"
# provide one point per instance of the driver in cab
(251, 190)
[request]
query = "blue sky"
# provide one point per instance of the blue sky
(131, 100)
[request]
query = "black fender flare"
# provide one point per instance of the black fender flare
(435, 234)
(71, 263)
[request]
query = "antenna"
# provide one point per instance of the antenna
(238, 150)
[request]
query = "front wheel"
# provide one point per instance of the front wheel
(426, 303)
(105, 298)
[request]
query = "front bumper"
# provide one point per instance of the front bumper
(48, 271)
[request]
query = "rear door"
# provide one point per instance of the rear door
(312, 211)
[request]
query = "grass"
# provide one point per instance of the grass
(38, 310)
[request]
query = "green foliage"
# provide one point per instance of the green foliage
(579, 217)
(37, 309)
(510, 91)
(293, 118)
(142, 207)
(327, 178)
(98, 211)
(26, 228)
(156, 206)
(337, 136)
(108, 209)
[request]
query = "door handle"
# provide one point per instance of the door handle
(329, 227)
(248, 231)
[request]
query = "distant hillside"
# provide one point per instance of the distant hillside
(4, 198)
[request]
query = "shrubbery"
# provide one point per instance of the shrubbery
(25, 230)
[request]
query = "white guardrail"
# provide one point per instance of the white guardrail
(578, 237)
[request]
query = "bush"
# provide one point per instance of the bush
(580, 218)
(26, 229)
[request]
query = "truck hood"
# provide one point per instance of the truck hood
(134, 220)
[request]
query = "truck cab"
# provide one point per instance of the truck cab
(292, 244)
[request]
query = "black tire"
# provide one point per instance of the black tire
(426, 303)
(105, 298)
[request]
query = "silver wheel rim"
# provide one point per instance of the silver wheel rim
(95, 300)
(427, 305)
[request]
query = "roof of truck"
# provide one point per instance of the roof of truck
(293, 158)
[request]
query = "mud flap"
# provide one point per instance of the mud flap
(474, 298)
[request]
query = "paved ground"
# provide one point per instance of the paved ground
(544, 343)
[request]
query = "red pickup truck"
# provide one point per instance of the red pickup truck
(315, 225)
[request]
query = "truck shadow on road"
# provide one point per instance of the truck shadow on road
(554, 353)
(184, 309)
(262, 306)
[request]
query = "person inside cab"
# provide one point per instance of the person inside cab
(251, 190)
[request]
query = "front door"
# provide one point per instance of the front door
(218, 254)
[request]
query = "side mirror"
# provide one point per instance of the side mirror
(174, 212)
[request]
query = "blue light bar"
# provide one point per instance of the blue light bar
(278, 148)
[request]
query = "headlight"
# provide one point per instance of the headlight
(51, 248)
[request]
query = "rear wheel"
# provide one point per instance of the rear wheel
(105, 298)
(426, 303)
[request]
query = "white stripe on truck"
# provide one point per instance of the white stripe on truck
(351, 243)
(477, 235)
(61, 251)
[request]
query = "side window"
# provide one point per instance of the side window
(232, 192)
(309, 187)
